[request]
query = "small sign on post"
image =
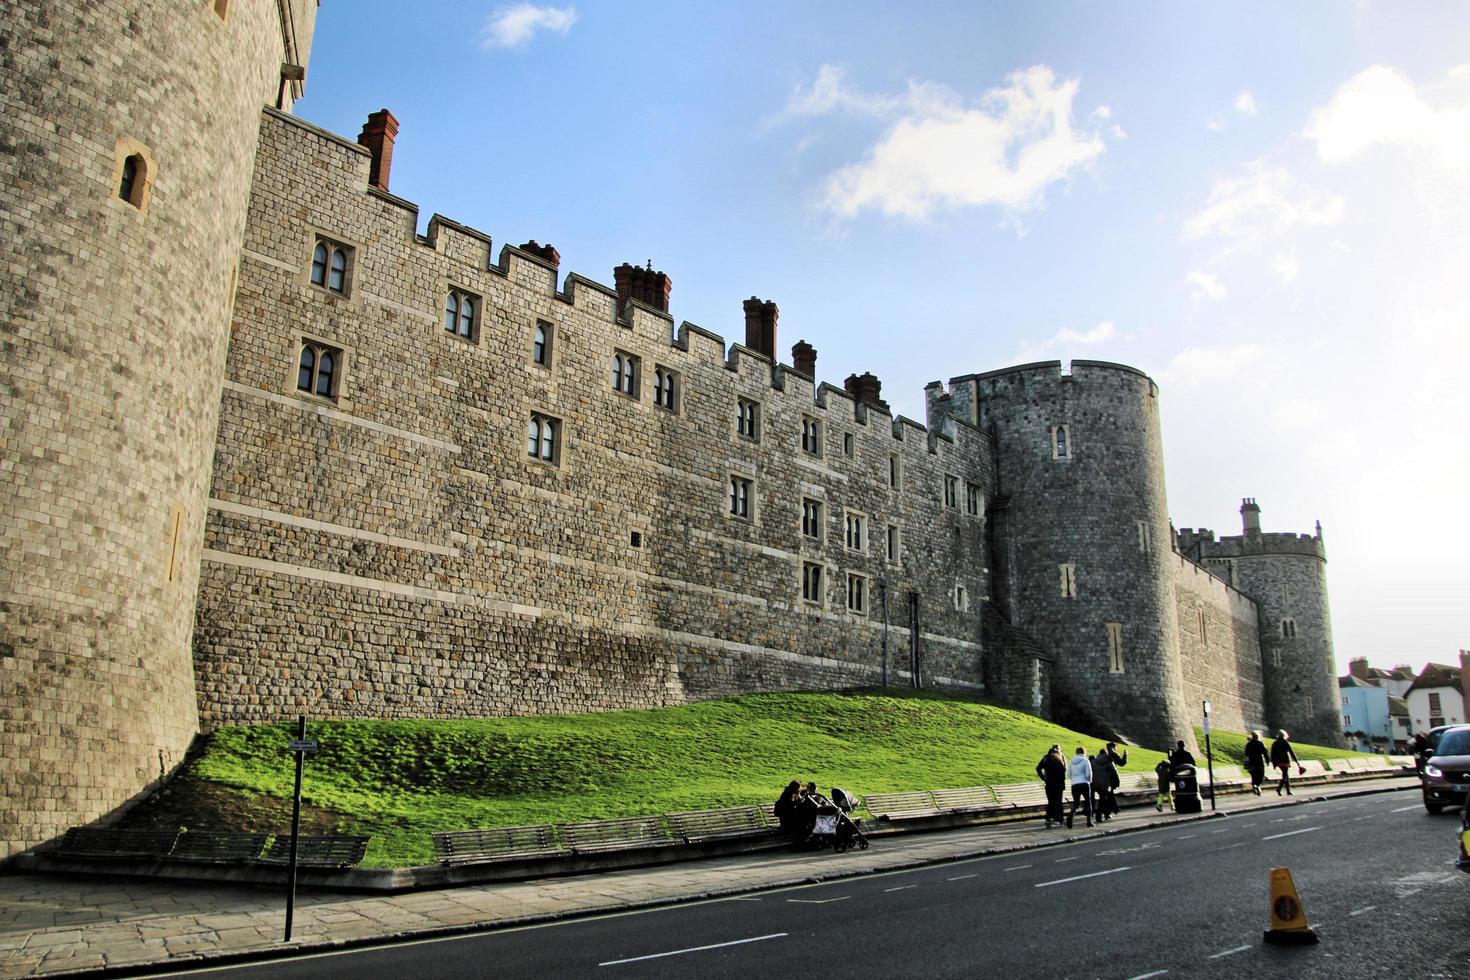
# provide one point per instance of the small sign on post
(301, 747)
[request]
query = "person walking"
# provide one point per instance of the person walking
(1052, 769)
(1079, 770)
(1118, 762)
(1181, 756)
(1166, 796)
(1103, 777)
(1282, 757)
(1255, 761)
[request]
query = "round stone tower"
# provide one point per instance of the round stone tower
(1286, 574)
(130, 129)
(1085, 539)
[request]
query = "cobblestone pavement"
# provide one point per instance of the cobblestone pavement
(52, 925)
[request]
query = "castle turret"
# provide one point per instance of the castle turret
(128, 162)
(1286, 575)
(1085, 538)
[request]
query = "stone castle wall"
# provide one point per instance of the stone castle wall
(116, 319)
(1219, 649)
(395, 551)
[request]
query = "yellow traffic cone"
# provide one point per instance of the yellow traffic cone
(1288, 920)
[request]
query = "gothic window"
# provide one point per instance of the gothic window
(857, 593)
(1068, 576)
(1275, 656)
(1204, 634)
(811, 582)
(625, 373)
(952, 491)
(543, 438)
(665, 388)
(973, 499)
(1145, 537)
(857, 532)
(330, 264)
(849, 444)
(541, 344)
(811, 436)
(893, 544)
(132, 173)
(1061, 442)
(961, 599)
(462, 314)
(740, 494)
(1115, 648)
(748, 419)
(319, 370)
(1288, 629)
(811, 518)
(895, 471)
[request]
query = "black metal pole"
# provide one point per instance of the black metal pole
(1209, 757)
(295, 828)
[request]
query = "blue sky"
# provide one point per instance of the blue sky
(1262, 205)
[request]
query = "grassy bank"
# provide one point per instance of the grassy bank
(399, 780)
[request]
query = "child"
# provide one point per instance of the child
(1166, 796)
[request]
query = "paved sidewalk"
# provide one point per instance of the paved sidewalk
(57, 925)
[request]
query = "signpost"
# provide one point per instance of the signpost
(300, 746)
(1209, 758)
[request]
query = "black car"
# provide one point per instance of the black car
(1446, 776)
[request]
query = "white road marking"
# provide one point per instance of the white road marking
(694, 949)
(1366, 908)
(1404, 808)
(900, 888)
(1292, 833)
(1189, 836)
(1220, 831)
(1018, 867)
(1145, 976)
(1095, 874)
(1229, 952)
(961, 877)
(817, 901)
(1072, 858)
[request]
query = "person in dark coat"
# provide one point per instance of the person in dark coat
(1104, 777)
(1282, 758)
(1052, 769)
(1118, 762)
(1181, 756)
(1255, 761)
(788, 816)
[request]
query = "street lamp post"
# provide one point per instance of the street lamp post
(1209, 758)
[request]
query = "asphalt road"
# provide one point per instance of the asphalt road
(1375, 874)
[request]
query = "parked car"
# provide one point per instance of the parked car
(1446, 776)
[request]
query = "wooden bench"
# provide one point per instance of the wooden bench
(1227, 777)
(768, 811)
(329, 851)
(1144, 785)
(1315, 772)
(460, 847)
(694, 826)
(217, 847)
(1021, 796)
(902, 806)
(969, 799)
(624, 834)
(91, 842)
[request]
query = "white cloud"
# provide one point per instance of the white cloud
(513, 27)
(940, 152)
(1206, 285)
(1382, 105)
(1245, 104)
(1215, 124)
(1263, 203)
(1067, 337)
(1285, 266)
(1207, 365)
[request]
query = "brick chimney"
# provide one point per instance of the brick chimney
(865, 389)
(546, 252)
(644, 285)
(378, 134)
(760, 326)
(1250, 517)
(804, 359)
(1358, 667)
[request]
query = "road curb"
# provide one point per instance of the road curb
(210, 960)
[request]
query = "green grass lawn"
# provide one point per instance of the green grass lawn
(399, 780)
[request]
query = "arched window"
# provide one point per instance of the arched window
(533, 437)
(628, 375)
(326, 369)
(319, 265)
(459, 313)
(617, 372)
(451, 311)
(1062, 448)
(467, 317)
(542, 434)
(308, 368)
(541, 345)
(134, 172)
(337, 280)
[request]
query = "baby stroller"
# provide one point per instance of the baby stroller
(834, 825)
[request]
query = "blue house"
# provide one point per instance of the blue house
(1366, 722)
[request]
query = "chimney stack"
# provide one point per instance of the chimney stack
(378, 134)
(865, 389)
(804, 359)
(644, 285)
(1358, 667)
(1250, 516)
(547, 252)
(760, 326)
